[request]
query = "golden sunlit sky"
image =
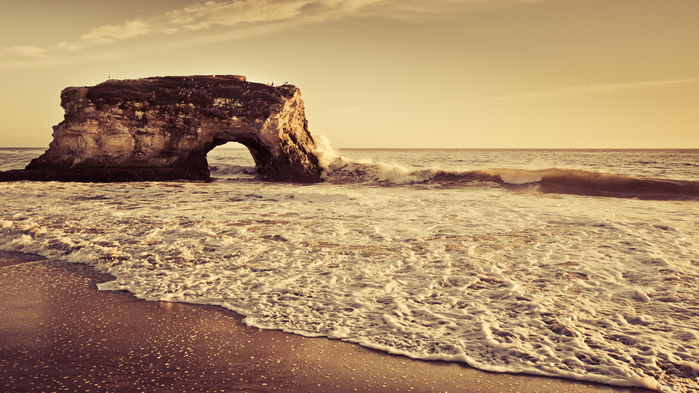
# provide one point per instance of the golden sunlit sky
(383, 73)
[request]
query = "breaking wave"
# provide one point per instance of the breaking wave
(553, 180)
(338, 169)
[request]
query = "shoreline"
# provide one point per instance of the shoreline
(59, 333)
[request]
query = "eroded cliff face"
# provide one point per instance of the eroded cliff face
(161, 128)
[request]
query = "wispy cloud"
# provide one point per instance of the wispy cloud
(110, 33)
(237, 12)
(107, 34)
(23, 50)
(243, 18)
(596, 89)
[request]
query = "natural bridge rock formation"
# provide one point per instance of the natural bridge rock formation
(161, 128)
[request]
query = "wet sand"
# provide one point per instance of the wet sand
(59, 333)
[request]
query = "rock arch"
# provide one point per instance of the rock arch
(161, 128)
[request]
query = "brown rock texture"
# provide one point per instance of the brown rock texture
(161, 128)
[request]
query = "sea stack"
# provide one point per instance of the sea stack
(161, 128)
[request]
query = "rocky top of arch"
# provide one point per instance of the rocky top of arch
(161, 128)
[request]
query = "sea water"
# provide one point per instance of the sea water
(581, 264)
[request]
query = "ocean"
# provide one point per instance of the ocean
(581, 264)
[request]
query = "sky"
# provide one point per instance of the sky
(382, 73)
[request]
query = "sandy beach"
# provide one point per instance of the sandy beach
(59, 333)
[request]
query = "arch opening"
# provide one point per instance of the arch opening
(231, 160)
